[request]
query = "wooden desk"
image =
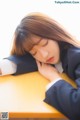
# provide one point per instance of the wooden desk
(22, 96)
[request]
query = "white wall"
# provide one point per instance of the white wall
(12, 11)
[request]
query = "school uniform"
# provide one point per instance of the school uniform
(61, 94)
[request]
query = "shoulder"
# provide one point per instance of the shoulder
(74, 49)
(73, 60)
(73, 52)
(70, 54)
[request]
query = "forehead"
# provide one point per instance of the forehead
(29, 43)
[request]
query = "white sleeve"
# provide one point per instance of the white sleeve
(7, 67)
(52, 83)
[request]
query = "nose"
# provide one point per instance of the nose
(43, 53)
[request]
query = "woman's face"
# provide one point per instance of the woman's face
(45, 50)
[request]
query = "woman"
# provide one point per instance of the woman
(40, 43)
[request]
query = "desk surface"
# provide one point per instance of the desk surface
(22, 96)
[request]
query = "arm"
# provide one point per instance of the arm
(61, 94)
(65, 98)
(0, 72)
(25, 63)
(17, 65)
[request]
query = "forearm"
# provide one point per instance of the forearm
(65, 98)
(25, 63)
(0, 72)
(52, 83)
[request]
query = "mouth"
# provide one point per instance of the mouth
(50, 60)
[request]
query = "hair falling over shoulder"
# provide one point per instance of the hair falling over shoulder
(40, 25)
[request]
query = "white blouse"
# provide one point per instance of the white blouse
(7, 67)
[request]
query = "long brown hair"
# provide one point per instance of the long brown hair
(40, 25)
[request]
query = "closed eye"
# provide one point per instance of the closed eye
(43, 43)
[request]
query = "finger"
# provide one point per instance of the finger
(38, 64)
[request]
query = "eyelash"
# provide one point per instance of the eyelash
(42, 46)
(45, 44)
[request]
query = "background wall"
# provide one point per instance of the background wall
(12, 11)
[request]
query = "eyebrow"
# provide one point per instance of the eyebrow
(43, 45)
(36, 43)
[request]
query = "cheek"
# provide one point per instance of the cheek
(56, 49)
(38, 57)
(57, 52)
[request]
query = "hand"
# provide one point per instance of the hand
(0, 72)
(48, 71)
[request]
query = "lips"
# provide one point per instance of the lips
(50, 59)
